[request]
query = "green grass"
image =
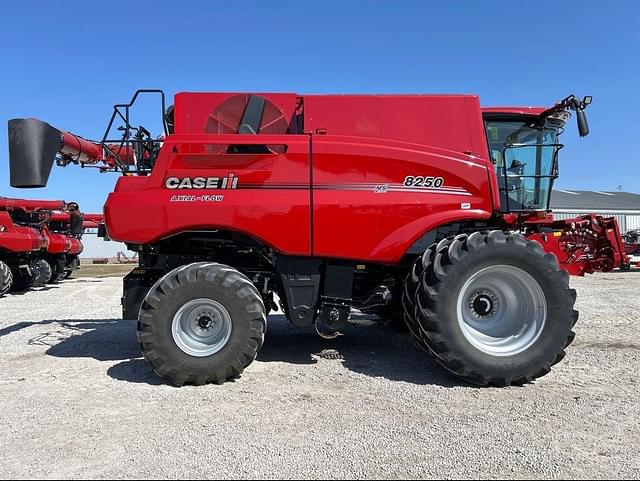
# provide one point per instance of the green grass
(103, 270)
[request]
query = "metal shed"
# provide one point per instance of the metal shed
(624, 206)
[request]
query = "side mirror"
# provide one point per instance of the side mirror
(583, 125)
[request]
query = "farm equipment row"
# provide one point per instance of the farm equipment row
(40, 241)
(426, 208)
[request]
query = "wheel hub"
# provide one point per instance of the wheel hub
(205, 323)
(201, 327)
(502, 310)
(484, 304)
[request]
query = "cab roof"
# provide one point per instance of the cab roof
(514, 110)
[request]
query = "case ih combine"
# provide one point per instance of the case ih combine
(23, 240)
(38, 241)
(426, 207)
(65, 231)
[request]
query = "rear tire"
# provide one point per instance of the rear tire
(494, 308)
(201, 323)
(6, 278)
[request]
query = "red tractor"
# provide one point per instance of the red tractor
(424, 207)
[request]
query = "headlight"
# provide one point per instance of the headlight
(557, 120)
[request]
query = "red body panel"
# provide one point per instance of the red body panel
(272, 203)
(359, 189)
(335, 195)
(58, 243)
(75, 247)
(95, 218)
(17, 239)
(61, 243)
(451, 122)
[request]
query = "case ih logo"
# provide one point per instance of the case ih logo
(228, 182)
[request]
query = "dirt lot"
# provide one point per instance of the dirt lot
(76, 400)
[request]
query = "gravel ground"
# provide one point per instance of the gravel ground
(76, 400)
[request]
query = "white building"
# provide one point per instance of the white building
(624, 206)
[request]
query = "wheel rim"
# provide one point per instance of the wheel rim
(502, 310)
(201, 327)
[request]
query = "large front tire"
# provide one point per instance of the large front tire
(201, 323)
(494, 308)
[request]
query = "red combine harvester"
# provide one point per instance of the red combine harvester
(65, 232)
(23, 242)
(422, 206)
(39, 242)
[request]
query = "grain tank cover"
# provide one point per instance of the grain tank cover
(452, 122)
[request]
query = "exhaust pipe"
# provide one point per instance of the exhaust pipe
(33, 145)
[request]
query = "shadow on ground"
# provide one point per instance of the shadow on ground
(33, 290)
(378, 351)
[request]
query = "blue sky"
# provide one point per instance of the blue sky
(69, 62)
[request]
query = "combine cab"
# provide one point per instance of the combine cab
(426, 208)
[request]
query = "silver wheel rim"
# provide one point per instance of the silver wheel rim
(201, 327)
(502, 310)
